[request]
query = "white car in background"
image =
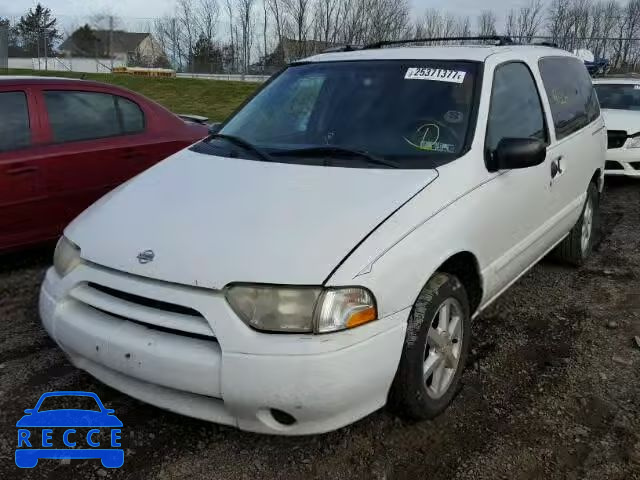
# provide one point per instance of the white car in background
(325, 252)
(620, 102)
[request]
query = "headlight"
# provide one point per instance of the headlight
(634, 142)
(301, 309)
(66, 256)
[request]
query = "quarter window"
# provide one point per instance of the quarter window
(516, 110)
(15, 132)
(571, 95)
(77, 116)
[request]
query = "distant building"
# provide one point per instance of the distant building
(289, 50)
(134, 49)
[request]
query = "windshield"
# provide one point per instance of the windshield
(619, 96)
(77, 402)
(407, 114)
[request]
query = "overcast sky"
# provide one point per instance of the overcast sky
(156, 8)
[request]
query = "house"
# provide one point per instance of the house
(133, 49)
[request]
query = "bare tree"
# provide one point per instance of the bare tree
(186, 18)
(264, 33)
(326, 22)
(298, 12)
(487, 23)
(431, 24)
(463, 27)
(277, 9)
(387, 20)
(208, 14)
(529, 20)
(229, 7)
(168, 34)
(247, 25)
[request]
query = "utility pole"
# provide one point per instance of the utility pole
(111, 40)
(174, 43)
(38, 47)
(44, 41)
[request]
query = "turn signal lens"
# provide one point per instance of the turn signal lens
(342, 308)
(360, 318)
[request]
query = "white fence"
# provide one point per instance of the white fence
(224, 76)
(83, 65)
(103, 65)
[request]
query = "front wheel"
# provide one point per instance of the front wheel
(435, 350)
(578, 245)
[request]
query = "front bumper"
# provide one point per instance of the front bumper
(213, 366)
(623, 162)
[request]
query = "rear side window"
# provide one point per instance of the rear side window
(15, 132)
(571, 95)
(132, 116)
(77, 116)
(516, 110)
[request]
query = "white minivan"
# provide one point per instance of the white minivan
(323, 254)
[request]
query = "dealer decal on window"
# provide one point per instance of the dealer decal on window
(436, 74)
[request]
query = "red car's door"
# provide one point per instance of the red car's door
(97, 140)
(23, 214)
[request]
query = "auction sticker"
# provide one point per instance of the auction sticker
(435, 74)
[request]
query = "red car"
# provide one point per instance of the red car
(64, 143)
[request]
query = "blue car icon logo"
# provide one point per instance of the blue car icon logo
(36, 431)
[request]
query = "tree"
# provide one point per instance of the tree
(247, 24)
(487, 24)
(186, 18)
(86, 43)
(206, 57)
(14, 48)
(37, 31)
(161, 61)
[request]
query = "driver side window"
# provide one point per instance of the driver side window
(516, 110)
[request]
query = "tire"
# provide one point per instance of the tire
(415, 395)
(576, 248)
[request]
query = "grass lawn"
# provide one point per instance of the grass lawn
(215, 99)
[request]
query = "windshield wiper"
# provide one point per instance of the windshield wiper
(240, 142)
(323, 150)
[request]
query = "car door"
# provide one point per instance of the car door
(579, 136)
(97, 141)
(520, 200)
(23, 214)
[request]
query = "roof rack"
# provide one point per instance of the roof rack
(545, 44)
(342, 48)
(499, 39)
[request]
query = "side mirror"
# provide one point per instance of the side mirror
(513, 153)
(214, 127)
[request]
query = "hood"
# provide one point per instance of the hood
(211, 220)
(627, 120)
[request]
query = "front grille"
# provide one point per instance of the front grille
(611, 165)
(156, 314)
(145, 302)
(616, 138)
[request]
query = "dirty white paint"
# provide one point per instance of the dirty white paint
(262, 222)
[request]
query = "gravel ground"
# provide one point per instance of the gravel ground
(552, 389)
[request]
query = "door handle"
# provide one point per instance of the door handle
(556, 167)
(21, 170)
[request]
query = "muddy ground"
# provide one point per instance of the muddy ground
(552, 389)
